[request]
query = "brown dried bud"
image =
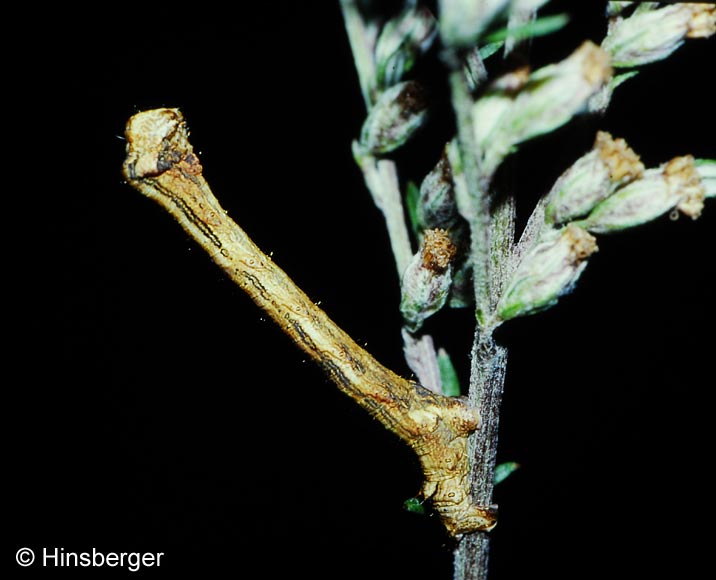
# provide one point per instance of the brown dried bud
(427, 279)
(682, 176)
(592, 179)
(438, 250)
(624, 165)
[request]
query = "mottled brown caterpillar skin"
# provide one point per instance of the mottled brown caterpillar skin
(161, 164)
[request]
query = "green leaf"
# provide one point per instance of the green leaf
(539, 27)
(504, 470)
(619, 79)
(448, 375)
(488, 50)
(412, 198)
(414, 506)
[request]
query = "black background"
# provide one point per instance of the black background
(152, 407)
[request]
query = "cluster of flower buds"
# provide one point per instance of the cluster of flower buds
(644, 32)
(606, 190)
(437, 208)
(398, 107)
(520, 106)
(674, 186)
(653, 31)
(427, 279)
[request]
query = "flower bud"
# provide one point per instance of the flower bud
(401, 41)
(551, 96)
(426, 280)
(436, 206)
(593, 178)
(463, 21)
(676, 184)
(397, 114)
(547, 272)
(651, 34)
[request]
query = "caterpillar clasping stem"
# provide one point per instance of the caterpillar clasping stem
(161, 165)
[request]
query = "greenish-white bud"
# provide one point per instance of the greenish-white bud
(463, 21)
(651, 34)
(706, 169)
(676, 185)
(516, 109)
(427, 279)
(549, 270)
(592, 179)
(402, 40)
(397, 114)
(436, 206)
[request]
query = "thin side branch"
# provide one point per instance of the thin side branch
(161, 164)
(381, 179)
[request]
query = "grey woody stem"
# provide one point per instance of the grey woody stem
(489, 362)
(492, 243)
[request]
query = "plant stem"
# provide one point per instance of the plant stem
(422, 359)
(492, 238)
(476, 210)
(381, 179)
(487, 380)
